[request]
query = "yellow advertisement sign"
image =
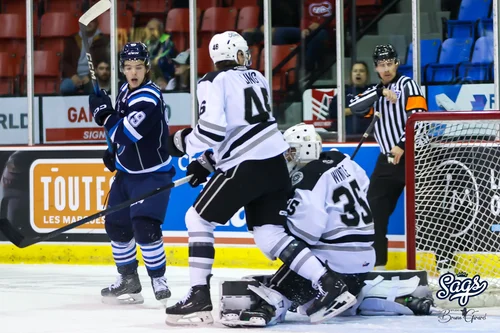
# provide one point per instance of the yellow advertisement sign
(63, 191)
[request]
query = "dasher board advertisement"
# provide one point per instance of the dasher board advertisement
(47, 187)
(44, 188)
(462, 97)
(68, 119)
(63, 191)
(14, 121)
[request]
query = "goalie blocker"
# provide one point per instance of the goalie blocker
(264, 300)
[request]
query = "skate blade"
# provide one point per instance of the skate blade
(124, 299)
(192, 319)
(342, 303)
(163, 302)
(233, 320)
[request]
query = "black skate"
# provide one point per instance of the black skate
(421, 306)
(333, 298)
(160, 288)
(126, 290)
(194, 309)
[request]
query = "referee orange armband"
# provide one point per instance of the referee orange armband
(415, 103)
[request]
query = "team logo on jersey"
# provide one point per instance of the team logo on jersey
(323, 9)
(397, 92)
(297, 177)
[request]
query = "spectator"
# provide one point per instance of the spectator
(314, 13)
(181, 80)
(359, 83)
(289, 29)
(162, 50)
(75, 70)
(285, 22)
(103, 75)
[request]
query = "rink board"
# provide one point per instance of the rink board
(47, 187)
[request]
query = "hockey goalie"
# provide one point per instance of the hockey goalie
(328, 210)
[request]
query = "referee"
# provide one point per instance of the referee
(395, 97)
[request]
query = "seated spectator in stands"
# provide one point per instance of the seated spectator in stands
(103, 75)
(285, 21)
(181, 80)
(288, 28)
(359, 83)
(75, 68)
(162, 50)
(314, 13)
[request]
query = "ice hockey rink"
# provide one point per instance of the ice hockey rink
(62, 299)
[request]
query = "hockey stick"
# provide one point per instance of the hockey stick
(94, 12)
(368, 131)
(19, 240)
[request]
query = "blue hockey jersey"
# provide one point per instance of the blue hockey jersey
(140, 129)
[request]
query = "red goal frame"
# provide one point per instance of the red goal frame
(410, 162)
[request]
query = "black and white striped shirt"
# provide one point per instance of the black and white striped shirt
(390, 129)
(235, 119)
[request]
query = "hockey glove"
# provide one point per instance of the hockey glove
(101, 107)
(200, 168)
(176, 144)
(109, 159)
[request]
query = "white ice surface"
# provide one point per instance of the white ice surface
(63, 299)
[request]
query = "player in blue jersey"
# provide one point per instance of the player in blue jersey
(137, 127)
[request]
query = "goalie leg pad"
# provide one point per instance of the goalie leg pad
(236, 297)
(382, 307)
(378, 296)
(256, 306)
(270, 310)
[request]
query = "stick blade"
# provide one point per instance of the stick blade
(94, 12)
(11, 233)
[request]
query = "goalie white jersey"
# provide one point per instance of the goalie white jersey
(235, 118)
(330, 212)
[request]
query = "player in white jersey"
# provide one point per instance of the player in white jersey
(250, 172)
(329, 211)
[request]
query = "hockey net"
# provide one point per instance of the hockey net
(453, 198)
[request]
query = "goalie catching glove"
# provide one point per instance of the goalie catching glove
(200, 168)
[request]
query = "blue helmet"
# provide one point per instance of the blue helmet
(134, 51)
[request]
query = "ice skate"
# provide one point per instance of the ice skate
(194, 309)
(126, 290)
(333, 298)
(421, 306)
(161, 290)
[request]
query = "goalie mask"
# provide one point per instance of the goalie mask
(225, 47)
(305, 145)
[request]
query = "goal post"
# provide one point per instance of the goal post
(453, 194)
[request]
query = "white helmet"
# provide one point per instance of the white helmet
(305, 145)
(225, 46)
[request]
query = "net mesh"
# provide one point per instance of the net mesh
(457, 200)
